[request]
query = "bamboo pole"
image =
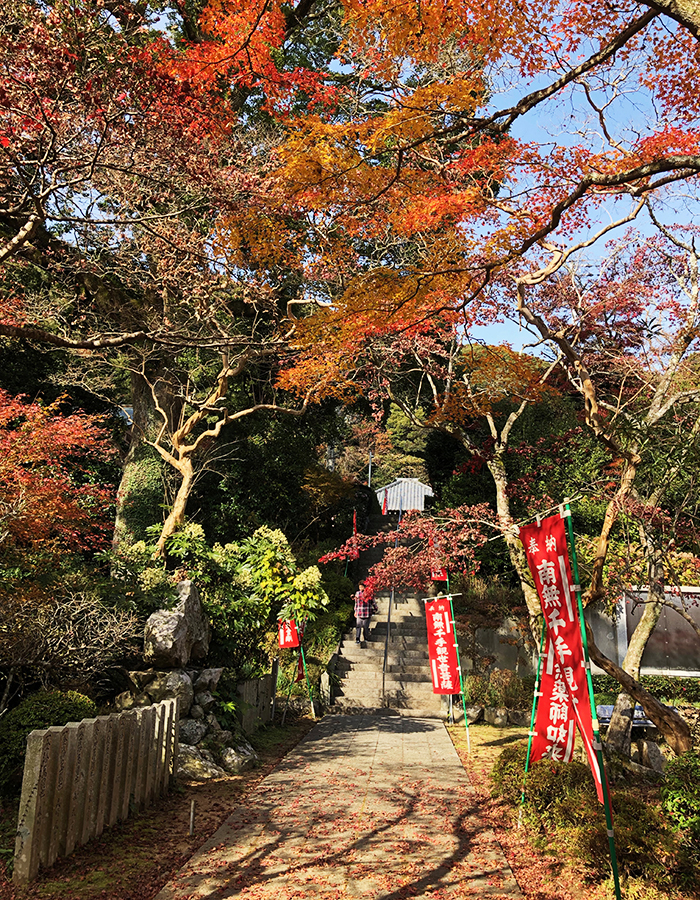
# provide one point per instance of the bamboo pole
(533, 715)
(597, 745)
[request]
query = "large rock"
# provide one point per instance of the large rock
(651, 755)
(519, 717)
(239, 758)
(193, 765)
(496, 716)
(167, 685)
(207, 680)
(205, 699)
(174, 636)
(192, 731)
(127, 700)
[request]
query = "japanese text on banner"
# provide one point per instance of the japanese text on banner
(564, 673)
(287, 633)
(441, 647)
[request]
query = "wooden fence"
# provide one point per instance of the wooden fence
(83, 777)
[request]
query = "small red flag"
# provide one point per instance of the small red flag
(288, 635)
(354, 521)
(300, 669)
(384, 504)
(437, 572)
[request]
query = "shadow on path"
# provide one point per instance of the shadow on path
(364, 807)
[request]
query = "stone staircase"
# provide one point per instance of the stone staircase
(406, 686)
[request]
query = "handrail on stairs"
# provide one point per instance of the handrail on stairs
(386, 645)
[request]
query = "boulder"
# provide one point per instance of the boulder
(140, 680)
(192, 731)
(474, 714)
(205, 699)
(167, 685)
(194, 766)
(239, 758)
(174, 636)
(496, 716)
(207, 680)
(651, 755)
(127, 700)
(196, 712)
(212, 722)
(519, 717)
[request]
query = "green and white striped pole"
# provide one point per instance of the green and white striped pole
(459, 665)
(531, 733)
(597, 745)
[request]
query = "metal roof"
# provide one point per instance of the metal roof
(404, 494)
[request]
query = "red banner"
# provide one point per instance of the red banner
(288, 635)
(437, 572)
(441, 647)
(300, 668)
(564, 689)
(386, 500)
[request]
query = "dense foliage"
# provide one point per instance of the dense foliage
(40, 710)
(561, 811)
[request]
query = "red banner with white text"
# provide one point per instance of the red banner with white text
(437, 572)
(441, 647)
(564, 689)
(287, 633)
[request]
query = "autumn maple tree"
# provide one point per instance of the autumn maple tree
(52, 508)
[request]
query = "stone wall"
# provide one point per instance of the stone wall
(83, 777)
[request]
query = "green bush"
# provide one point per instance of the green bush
(501, 688)
(507, 773)
(607, 688)
(562, 808)
(38, 711)
(680, 794)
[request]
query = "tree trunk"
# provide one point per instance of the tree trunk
(619, 736)
(140, 493)
(516, 551)
(176, 517)
(673, 727)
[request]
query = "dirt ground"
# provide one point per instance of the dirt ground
(135, 859)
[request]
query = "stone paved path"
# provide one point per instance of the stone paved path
(366, 807)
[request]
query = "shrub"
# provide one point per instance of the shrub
(561, 804)
(679, 689)
(38, 711)
(680, 793)
(507, 773)
(501, 688)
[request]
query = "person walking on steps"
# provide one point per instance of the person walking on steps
(365, 607)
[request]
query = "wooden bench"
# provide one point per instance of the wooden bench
(640, 719)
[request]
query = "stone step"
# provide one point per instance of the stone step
(353, 653)
(342, 707)
(423, 693)
(377, 677)
(346, 665)
(392, 701)
(414, 627)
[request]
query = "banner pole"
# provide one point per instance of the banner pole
(459, 666)
(286, 707)
(533, 716)
(308, 683)
(597, 745)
